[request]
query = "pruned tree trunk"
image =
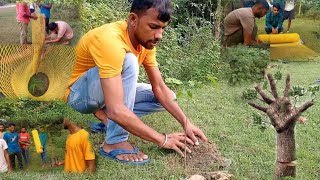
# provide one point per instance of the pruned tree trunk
(283, 116)
(217, 23)
(285, 165)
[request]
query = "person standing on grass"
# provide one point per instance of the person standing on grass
(23, 17)
(289, 12)
(5, 165)
(43, 139)
(12, 139)
(274, 20)
(45, 8)
(24, 140)
(79, 156)
(104, 82)
(2, 129)
(240, 25)
(60, 32)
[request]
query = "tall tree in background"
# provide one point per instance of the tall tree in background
(217, 23)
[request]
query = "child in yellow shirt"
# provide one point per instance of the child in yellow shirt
(79, 155)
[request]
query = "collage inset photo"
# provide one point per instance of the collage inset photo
(34, 22)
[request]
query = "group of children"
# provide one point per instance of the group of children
(79, 154)
(60, 30)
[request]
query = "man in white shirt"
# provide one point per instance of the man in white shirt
(60, 32)
(4, 157)
(2, 129)
(289, 12)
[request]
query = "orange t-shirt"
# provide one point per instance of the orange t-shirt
(24, 137)
(78, 150)
(106, 47)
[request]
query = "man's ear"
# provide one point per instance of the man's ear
(133, 19)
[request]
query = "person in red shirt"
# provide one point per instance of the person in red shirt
(24, 141)
(23, 17)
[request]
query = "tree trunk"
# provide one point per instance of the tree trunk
(217, 23)
(286, 153)
(300, 7)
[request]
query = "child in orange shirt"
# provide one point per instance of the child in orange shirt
(79, 155)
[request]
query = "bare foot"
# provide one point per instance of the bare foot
(102, 116)
(125, 157)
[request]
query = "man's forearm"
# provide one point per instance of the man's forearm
(165, 97)
(52, 41)
(130, 122)
(91, 166)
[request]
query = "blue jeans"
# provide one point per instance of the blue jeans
(269, 30)
(25, 154)
(86, 96)
(43, 156)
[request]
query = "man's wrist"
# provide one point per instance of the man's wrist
(160, 140)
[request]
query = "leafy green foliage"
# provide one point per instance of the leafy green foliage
(249, 94)
(245, 64)
(258, 120)
(31, 113)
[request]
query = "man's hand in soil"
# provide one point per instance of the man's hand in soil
(176, 142)
(192, 131)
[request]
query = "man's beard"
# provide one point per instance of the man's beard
(145, 44)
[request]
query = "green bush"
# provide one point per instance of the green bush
(32, 114)
(245, 63)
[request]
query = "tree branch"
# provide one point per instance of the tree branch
(273, 86)
(304, 107)
(257, 106)
(286, 90)
(263, 95)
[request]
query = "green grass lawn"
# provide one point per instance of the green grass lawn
(226, 120)
(304, 27)
(9, 28)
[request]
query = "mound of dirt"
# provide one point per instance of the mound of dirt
(204, 157)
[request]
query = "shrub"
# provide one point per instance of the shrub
(245, 63)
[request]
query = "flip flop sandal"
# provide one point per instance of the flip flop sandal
(114, 153)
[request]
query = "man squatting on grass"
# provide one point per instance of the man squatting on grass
(104, 82)
(240, 24)
(274, 20)
(60, 32)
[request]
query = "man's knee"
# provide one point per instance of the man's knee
(131, 65)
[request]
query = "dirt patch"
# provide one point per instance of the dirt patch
(204, 158)
(38, 84)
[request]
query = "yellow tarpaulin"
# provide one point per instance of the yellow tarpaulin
(287, 47)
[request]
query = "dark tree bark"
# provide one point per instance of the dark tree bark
(283, 116)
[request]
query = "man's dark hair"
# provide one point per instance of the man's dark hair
(11, 124)
(162, 6)
(277, 5)
(52, 26)
(264, 3)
